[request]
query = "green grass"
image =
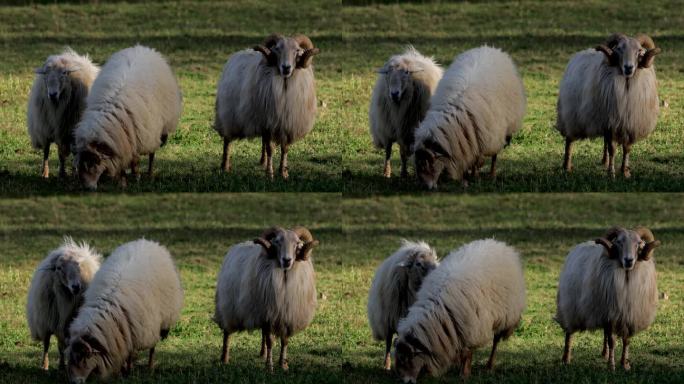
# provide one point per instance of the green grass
(355, 236)
(355, 40)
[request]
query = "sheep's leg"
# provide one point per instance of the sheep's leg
(283, 353)
(269, 159)
(61, 345)
(495, 343)
(63, 154)
(150, 360)
(606, 143)
(262, 352)
(604, 352)
(466, 362)
(135, 171)
(129, 365)
(611, 154)
(46, 166)
(388, 350)
(225, 160)
(567, 351)
(492, 171)
(46, 347)
(625, 353)
(608, 334)
(122, 179)
(387, 172)
(626, 147)
(262, 161)
(283, 160)
(567, 160)
(266, 334)
(404, 152)
(225, 354)
(150, 164)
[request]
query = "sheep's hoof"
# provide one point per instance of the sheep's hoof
(285, 174)
(45, 174)
(611, 366)
(284, 366)
(626, 366)
(269, 367)
(627, 173)
(388, 365)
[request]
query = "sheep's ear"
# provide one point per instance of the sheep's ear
(81, 348)
(646, 61)
(71, 70)
(405, 349)
(384, 70)
(39, 71)
(403, 264)
(610, 55)
(304, 61)
(305, 252)
(648, 249)
(103, 149)
(437, 148)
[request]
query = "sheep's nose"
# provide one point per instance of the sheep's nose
(287, 263)
(395, 96)
(629, 263)
(628, 69)
(75, 288)
(286, 68)
(53, 96)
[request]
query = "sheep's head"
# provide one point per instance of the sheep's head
(73, 267)
(629, 246)
(55, 73)
(430, 158)
(287, 246)
(629, 53)
(287, 53)
(90, 163)
(418, 263)
(397, 74)
(410, 358)
(84, 355)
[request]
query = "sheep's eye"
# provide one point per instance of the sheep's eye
(406, 72)
(58, 268)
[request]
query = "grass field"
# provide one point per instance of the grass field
(355, 236)
(355, 40)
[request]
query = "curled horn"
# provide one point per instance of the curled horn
(309, 243)
(651, 50)
(265, 241)
(304, 61)
(40, 71)
(609, 45)
(607, 241)
(650, 243)
(266, 48)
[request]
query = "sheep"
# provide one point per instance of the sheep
(609, 284)
(267, 284)
(475, 295)
(132, 303)
(394, 289)
(268, 91)
(56, 293)
(609, 92)
(400, 99)
(56, 103)
(133, 107)
(478, 105)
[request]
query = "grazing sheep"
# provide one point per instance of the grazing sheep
(56, 103)
(56, 293)
(267, 284)
(609, 284)
(394, 289)
(400, 99)
(268, 91)
(476, 295)
(609, 92)
(134, 105)
(478, 105)
(132, 303)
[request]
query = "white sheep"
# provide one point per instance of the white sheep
(267, 92)
(400, 99)
(609, 284)
(133, 106)
(267, 284)
(56, 103)
(478, 105)
(56, 293)
(609, 92)
(132, 303)
(475, 296)
(394, 289)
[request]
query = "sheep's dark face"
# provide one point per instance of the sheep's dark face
(287, 51)
(82, 359)
(627, 246)
(408, 362)
(69, 272)
(420, 263)
(398, 79)
(56, 77)
(287, 245)
(90, 167)
(628, 52)
(429, 166)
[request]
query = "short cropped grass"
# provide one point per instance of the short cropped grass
(355, 40)
(355, 236)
